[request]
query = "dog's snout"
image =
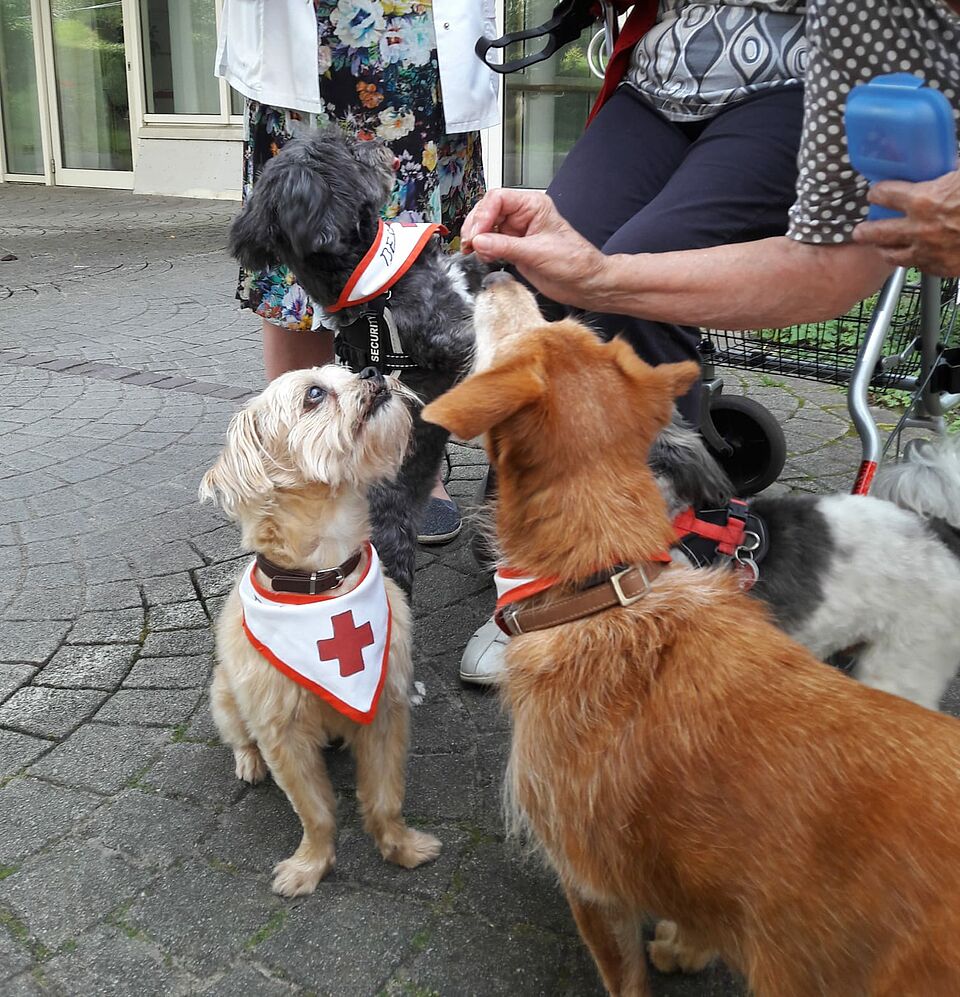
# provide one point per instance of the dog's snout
(372, 374)
(496, 277)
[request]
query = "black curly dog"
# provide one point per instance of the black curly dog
(316, 208)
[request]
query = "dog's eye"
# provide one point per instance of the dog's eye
(314, 396)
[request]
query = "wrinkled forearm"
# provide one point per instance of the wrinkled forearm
(769, 283)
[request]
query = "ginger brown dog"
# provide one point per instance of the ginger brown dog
(295, 472)
(680, 757)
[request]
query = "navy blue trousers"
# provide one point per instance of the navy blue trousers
(638, 183)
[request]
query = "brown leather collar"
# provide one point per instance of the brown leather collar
(618, 587)
(306, 582)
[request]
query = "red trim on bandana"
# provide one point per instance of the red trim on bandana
(341, 707)
(344, 300)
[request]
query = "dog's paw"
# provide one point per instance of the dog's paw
(296, 877)
(670, 954)
(411, 848)
(250, 764)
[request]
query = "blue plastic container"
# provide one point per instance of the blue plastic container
(899, 129)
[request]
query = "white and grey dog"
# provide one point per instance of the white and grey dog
(879, 574)
(316, 208)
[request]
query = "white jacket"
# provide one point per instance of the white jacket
(272, 58)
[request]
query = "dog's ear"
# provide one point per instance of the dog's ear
(673, 379)
(285, 215)
(239, 476)
(677, 378)
(252, 236)
(487, 399)
(302, 207)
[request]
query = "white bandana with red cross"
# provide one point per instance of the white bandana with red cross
(334, 645)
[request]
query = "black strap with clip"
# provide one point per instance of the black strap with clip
(366, 341)
(567, 23)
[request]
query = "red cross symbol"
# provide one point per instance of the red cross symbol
(347, 644)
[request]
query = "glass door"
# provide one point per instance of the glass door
(544, 106)
(90, 106)
(22, 139)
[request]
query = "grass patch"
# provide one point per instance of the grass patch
(272, 926)
(8, 870)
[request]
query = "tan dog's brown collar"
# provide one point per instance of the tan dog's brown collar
(307, 582)
(616, 587)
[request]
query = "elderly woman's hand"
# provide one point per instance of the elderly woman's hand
(524, 228)
(928, 236)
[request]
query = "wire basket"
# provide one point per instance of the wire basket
(827, 351)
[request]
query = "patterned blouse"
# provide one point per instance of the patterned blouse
(701, 57)
(851, 41)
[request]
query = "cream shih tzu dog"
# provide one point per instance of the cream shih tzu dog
(314, 640)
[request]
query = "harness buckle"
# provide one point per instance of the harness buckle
(622, 597)
(508, 617)
(750, 542)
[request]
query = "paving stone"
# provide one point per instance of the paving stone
(18, 750)
(174, 643)
(112, 595)
(429, 778)
(14, 957)
(31, 641)
(202, 727)
(150, 707)
(169, 673)
(221, 544)
(334, 963)
(115, 626)
(218, 579)
(108, 963)
(457, 952)
(24, 985)
(48, 712)
(207, 916)
(196, 771)
(13, 676)
(247, 981)
(65, 890)
(258, 831)
(152, 829)
(33, 813)
(169, 588)
(99, 757)
(91, 666)
(177, 616)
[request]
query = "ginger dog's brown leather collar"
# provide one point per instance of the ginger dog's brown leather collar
(306, 582)
(618, 587)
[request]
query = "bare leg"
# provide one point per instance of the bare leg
(299, 771)
(233, 731)
(285, 350)
(381, 753)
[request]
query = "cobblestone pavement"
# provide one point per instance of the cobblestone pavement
(131, 860)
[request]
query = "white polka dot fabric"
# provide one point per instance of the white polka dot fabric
(850, 42)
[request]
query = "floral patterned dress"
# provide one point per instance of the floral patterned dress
(378, 77)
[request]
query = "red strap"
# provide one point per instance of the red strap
(640, 21)
(728, 537)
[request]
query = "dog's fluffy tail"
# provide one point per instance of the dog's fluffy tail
(926, 481)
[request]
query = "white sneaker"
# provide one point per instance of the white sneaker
(482, 662)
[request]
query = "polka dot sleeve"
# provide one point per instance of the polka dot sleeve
(850, 42)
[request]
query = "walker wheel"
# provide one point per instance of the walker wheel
(759, 446)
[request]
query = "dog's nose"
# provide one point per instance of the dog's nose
(371, 374)
(496, 277)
